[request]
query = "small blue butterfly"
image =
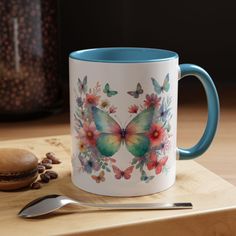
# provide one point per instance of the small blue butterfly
(109, 92)
(165, 87)
(146, 178)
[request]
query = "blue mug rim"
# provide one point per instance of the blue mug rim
(123, 55)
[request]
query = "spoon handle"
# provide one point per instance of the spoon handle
(139, 206)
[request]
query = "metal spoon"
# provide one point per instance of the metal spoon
(49, 203)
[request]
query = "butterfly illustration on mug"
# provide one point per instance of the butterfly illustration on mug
(99, 178)
(126, 174)
(146, 178)
(108, 91)
(161, 88)
(133, 135)
(136, 92)
(82, 85)
(102, 134)
(156, 164)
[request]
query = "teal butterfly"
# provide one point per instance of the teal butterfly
(112, 135)
(146, 178)
(109, 92)
(165, 87)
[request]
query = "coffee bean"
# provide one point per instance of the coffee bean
(41, 168)
(56, 161)
(47, 165)
(46, 160)
(52, 174)
(52, 156)
(45, 178)
(35, 185)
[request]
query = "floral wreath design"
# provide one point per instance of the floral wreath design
(99, 135)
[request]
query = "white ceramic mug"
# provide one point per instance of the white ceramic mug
(123, 106)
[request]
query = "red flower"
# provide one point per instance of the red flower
(156, 135)
(133, 109)
(152, 100)
(91, 99)
(112, 109)
(89, 134)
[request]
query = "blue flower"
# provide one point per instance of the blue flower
(91, 164)
(163, 113)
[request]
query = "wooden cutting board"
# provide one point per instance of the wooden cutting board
(213, 198)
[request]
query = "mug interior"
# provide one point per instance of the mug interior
(123, 55)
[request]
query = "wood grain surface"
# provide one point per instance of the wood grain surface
(214, 201)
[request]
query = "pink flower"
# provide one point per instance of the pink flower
(91, 99)
(152, 100)
(112, 109)
(89, 134)
(156, 135)
(133, 109)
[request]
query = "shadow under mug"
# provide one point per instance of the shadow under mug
(123, 106)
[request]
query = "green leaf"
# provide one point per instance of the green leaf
(138, 165)
(141, 167)
(134, 161)
(143, 178)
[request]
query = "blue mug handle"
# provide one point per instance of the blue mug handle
(213, 111)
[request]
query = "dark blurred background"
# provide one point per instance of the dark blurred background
(201, 32)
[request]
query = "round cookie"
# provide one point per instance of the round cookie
(18, 168)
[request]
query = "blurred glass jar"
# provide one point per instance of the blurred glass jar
(29, 49)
